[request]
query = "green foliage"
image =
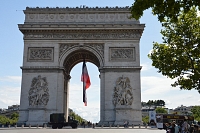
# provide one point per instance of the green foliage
(163, 8)
(14, 115)
(154, 103)
(4, 119)
(76, 116)
(12, 120)
(196, 112)
(161, 110)
(179, 55)
(145, 119)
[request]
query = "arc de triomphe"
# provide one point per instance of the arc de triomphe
(56, 39)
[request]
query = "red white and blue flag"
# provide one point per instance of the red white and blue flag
(86, 82)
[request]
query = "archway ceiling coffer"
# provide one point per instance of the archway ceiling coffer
(77, 57)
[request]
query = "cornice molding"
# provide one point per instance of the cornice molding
(119, 67)
(41, 67)
(88, 26)
(75, 9)
(83, 34)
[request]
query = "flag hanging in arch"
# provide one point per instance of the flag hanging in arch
(86, 82)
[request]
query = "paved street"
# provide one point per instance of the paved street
(79, 130)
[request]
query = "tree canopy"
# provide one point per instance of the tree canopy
(9, 120)
(150, 103)
(76, 116)
(145, 119)
(163, 8)
(160, 110)
(196, 112)
(178, 57)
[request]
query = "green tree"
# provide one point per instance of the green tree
(160, 103)
(196, 112)
(14, 115)
(160, 110)
(155, 103)
(145, 119)
(163, 8)
(9, 120)
(179, 55)
(76, 116)
(150, 103)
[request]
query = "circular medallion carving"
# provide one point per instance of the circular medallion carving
(42, 16)
(32, 16)
(52, 16)
(111, 16)
(72, 16)
(61, 16)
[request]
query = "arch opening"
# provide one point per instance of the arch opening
(73, 85)
(91, 112)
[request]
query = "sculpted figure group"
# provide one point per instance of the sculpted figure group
(123, 94)
(38, 93)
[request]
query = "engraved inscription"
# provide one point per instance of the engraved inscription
(122, 53)
(40, 54)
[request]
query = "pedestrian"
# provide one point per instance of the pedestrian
(172, 130)
(184, 126)
(84, 124)
(196, 129)
(176, 127)
(168, 127)
(125, 123)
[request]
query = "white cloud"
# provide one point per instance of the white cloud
(91, 111)
(146, 67)
(9, 90)
(9, 96)
(11, 79)
(155, 85)
(155, 88)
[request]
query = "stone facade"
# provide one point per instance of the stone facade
(56, 39)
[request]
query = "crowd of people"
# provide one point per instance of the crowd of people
(184, 127)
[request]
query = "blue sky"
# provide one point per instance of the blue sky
(154, 86)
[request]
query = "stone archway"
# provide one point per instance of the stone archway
(56, 39)
(73, 57)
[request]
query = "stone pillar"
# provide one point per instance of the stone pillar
(102, 96)
(66, 96)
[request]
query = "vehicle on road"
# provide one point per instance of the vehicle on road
(162, 119)
(57, 120)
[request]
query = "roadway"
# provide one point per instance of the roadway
(80, 130)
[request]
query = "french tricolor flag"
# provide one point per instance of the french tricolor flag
(86, 82)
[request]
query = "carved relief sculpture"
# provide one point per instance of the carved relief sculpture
(37, 54)
(65, 47)
(85, 35)
(39, 92)
(123, 94)
(122, 54)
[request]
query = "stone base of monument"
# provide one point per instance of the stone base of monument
(127, 114)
